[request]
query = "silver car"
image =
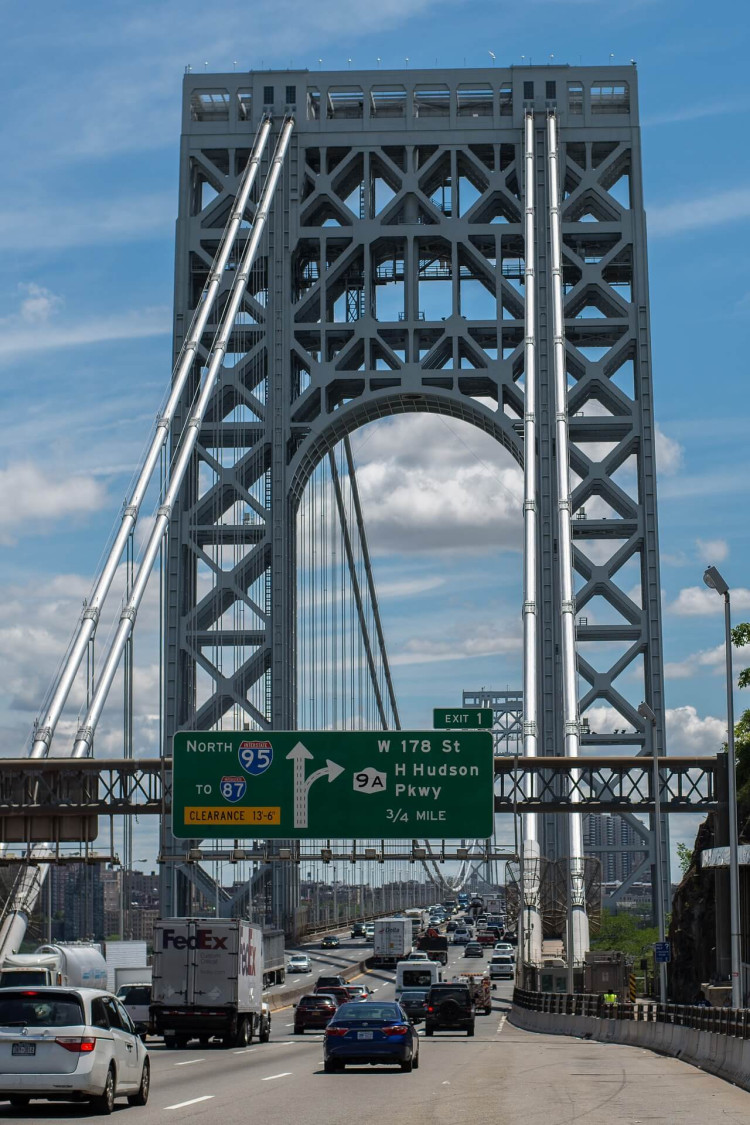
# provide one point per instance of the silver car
(70, 1044)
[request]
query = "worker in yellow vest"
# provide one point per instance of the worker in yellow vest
(610, 998)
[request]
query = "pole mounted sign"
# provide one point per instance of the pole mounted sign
(662, 952)
(462, 718)
(358, 784)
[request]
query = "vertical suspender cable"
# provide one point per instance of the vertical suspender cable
(90, 619)
(84, 739)
(578, 929)
(530, 925)
(351, 469)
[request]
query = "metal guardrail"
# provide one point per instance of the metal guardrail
(733, 1022)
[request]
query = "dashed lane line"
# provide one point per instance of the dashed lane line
(189, 1062)
(244, 1050)
(270, 1077)
(193, 1101)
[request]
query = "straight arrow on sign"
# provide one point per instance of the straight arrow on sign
(299, 754)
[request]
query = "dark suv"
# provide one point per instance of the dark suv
(358, 930)
(449, 1008)
(324, 982)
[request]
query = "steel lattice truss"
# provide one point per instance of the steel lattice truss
(391, 281)
(61, 786)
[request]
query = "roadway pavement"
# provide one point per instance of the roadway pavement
(502, 1075)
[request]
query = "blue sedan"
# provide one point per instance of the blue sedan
(370, 1033)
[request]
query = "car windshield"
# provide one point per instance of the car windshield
(40, 1009)
(299, 957)
(134, 994)
(450, 994)
(316, 1002)
(415, 977)
(369, 1012)
(413, 995)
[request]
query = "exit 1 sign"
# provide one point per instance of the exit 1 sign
(462, 718)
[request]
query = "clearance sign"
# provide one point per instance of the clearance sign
(356, 784)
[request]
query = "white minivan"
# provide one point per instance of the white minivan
(417, 974)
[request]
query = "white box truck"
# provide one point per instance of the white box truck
(207, 982)
(74, 966)
(392, 940)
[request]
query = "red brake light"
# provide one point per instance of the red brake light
(430, 1008)
(29, 993)
(76, 1044)
(397, 1029)
(336, 1030)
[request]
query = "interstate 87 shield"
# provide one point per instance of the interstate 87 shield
(342, 784)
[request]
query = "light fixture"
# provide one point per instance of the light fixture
(714, 581)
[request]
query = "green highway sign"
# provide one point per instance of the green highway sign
(338, 784)
(462, 718)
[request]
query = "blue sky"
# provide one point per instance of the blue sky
(87, 207)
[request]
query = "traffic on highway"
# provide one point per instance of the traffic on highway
(349, 1001)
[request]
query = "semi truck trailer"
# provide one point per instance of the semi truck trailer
(207, 982)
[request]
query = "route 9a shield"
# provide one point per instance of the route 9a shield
(370, 781)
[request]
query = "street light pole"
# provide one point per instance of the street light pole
(714, 581)
(646, 712)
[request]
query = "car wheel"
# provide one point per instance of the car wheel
(329, 1066)
(105, 1102)
(170, 1042)
(415, 1061)
(407, 1066)
(242, 1038)
(470, 1030)
(182, 1041)
(429, 1030)
(19, 1101)
(265, 1031)
(299, 1031)
(143, 1090)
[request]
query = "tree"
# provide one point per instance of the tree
(624, 932)
(684, 856)
(740, 638)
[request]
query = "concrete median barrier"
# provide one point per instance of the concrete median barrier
(724, 1055)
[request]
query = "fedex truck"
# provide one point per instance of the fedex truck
(207, 982)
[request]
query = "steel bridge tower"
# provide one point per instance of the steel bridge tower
(391, 279)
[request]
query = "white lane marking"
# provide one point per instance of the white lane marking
(193, 1101)
(244, 1050)
(446, 1083)
(289, 1024)
(270, 1078)
(189, 1062)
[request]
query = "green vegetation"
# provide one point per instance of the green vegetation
(626, 933)
(684, 856)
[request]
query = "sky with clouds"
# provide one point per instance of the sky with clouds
(87, 206)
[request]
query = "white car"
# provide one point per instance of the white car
(501, 967)
(506, 948)
(299, 963)
(136, 1000)
(418, 955)
(61, 1044)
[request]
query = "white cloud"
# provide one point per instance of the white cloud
(32, 499)
(696, 601)
(429, 485)
(712, 551)
(39, 303)
(700, 214)
(482, 641)
(25, 339)
(669, 453)
(688, 733)
(408, 587)
(696, 112)
(53, 225)
(707, 658)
